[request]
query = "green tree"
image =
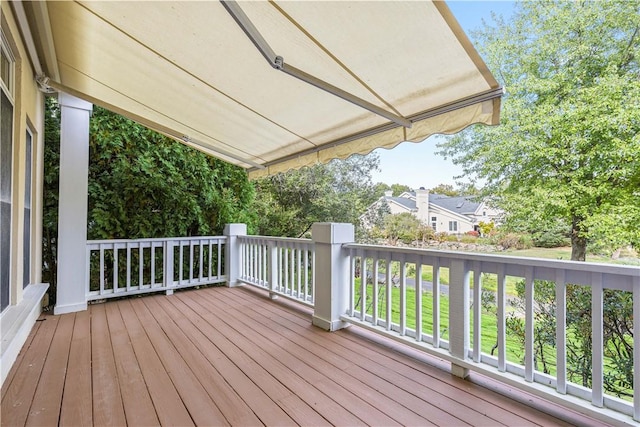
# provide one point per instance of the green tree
(396, 189)
(445, 189)
(404, 227)
(50, 195)
(617, 336)
(287, 204)
(568, 146)
(142, 184)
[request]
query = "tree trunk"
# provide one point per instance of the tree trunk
(578, 241)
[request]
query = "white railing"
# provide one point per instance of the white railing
(447, 332)
(283, 266)
(443, 316)
(128, 267)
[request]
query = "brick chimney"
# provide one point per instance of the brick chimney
(422, 203)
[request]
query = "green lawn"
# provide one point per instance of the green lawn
(489, 322)
(565, 254)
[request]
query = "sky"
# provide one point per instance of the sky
(416, 164)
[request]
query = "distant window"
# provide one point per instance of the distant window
(453, 225)
(434, 223)
(484, 213)
(433, 218)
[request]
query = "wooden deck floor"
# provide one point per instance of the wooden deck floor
(221, 356)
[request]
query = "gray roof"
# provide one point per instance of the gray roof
(407, 203)
(463, 205)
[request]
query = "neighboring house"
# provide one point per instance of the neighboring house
(453, 215)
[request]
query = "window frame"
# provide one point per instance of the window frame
(7, 88)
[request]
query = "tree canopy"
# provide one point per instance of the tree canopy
(142, 184)
(568, 146)
(287, 204)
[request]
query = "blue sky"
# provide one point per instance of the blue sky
(416, 164)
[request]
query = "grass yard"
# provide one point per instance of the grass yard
(489, 281)
(489, 322)
(565, 254)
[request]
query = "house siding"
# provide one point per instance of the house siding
(25, 249)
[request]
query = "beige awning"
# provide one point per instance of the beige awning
(272, 85)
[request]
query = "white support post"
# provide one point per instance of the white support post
(331, 274)
(232, 252)
(72, 211)
(459, 275)
(168, 267)
(273, 269)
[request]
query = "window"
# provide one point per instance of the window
(434, 222)
(7, 65)
(484, 213)
(6, 163)
(453, 225)
(26, 271)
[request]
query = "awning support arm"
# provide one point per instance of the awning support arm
(278, 63)
(487, 95)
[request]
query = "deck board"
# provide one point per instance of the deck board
(247, 378)
(409, 393)
(220, 356)
(18, 398)
(45, 407)
(413, 386)
(77, 408)
(108, 408)
(19, 358)
(351, 346)
(330, 372)
(166, 399)
(138, 407)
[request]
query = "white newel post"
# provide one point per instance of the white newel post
(459, 275)
(331, 274)
(232, 256)
(72, 211)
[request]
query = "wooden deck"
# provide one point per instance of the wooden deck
(221, 356)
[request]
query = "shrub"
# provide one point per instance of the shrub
(551, 239)
(468, 238)
(515, 241)
(441, 237)
(425, 233)
(486, 228)
(473, 233)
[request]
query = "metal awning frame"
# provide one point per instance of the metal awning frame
(277, 62)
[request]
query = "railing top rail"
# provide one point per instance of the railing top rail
(277, 239)
(624, 270)
(154, 239)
